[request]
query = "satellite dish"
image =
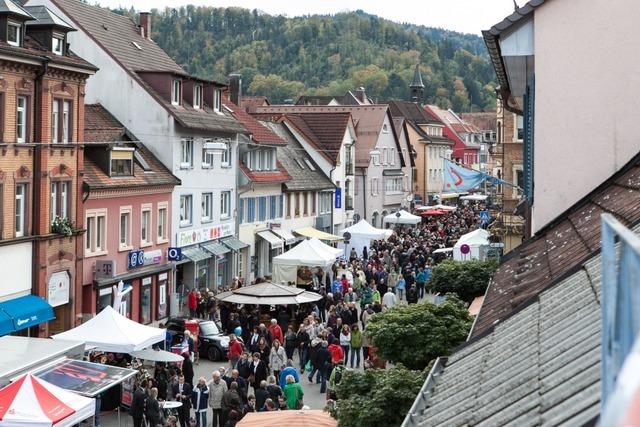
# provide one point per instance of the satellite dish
(465, 249)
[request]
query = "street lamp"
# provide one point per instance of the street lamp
(397, 218)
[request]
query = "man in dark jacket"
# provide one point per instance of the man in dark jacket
(322, 361)
(412, 295)
(182, 393)
(138, 403)
(231, 401)
(262, 394)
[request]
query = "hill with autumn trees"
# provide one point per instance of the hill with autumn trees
(283, 57)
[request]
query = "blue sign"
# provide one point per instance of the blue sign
(484, 216)
(135, 259)
(338, 198)
(174, 254)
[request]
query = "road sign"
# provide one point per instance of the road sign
(484, 216)
(465, 249)
(174, 254)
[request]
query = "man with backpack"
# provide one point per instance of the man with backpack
(334, 380)
(138, 403)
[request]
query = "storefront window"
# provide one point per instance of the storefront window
(222, 271)
(203, 274)
(104, 299)
(125, 303)
(145, 301)
(161, 312)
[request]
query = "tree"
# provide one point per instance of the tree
(376, 397)
(467, 279)
(417, 333)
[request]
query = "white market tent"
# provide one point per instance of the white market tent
(474, 197)
(111, 331)
(405, 218)
(478, 242)
(269, 294)
(438, 206)
(362, 233)
(32, 402)
(308, 253)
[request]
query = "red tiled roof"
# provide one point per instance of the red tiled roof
(279, 175)
(250, 103)
(259, 133)
(560, 247)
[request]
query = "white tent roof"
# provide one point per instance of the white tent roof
(478, 197)
(311, 253)
(477, 237)
(405, 218)
(364, 229)
(111, 331)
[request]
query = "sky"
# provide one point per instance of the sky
(467, 16)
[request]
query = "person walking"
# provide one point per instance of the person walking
(345, 340)
(293, 393)
(412, 295)
(277, 358)
(356, 345)
(322, 361)
(182, 393)
(303, 341)
(275, 331)
(231, 401)
(217, 388)
(192, 302)
(389, 299)
(138, 403)
(200, 401)
(262, 394)
(235, 350)
(187, 369)
(288, 370)
(290, 342)
(152, 411)
(258, 371)
(421, 280)
(401, 287)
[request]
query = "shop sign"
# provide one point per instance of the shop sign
(146, 281)
(153, 257)
(58, 289)
(204, 234)
(174, 254)
(338, 204)
(135, 259)
(105, 269)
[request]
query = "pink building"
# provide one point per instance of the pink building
(127, 204)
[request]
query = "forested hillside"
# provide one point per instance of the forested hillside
(283, 58)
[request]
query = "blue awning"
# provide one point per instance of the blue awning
(27, 311)
(6, 324)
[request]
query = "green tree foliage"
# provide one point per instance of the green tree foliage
(376, 397)
(324, 54)
(467, 279)
(415, 334)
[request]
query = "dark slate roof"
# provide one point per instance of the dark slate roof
(417, 78)
(33, 50)
(8, 6)
(411, 111)
(539, 367)
(116, 33)
(562, 245)
(292, 156)
(102, 128)
(45, 17)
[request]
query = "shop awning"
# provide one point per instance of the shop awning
(286, 235)
(216, 248)
(275, 241)
(312, 232)
(234, 244)
(6, 324)
(195, 254)
(27, 311)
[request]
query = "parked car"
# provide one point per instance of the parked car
(212, 342)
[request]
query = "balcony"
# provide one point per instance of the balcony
(348, 203)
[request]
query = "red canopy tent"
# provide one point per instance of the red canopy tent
(32, 402)
(432, 212)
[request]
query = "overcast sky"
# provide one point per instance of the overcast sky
(468, 16)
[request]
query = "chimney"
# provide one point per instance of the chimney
(360, 94)
(145, 25)
(235, 88)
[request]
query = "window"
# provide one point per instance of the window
(262, 208)
(241, 211)
(14, 34)
(162, 222)
(313, 203)
(125, 228)
(225, 204)
(385, 156)
(57, 43)
(121, 167)
(225, 160)
(21, 119)
(287, 207)
(216, 100)
(175, 92)
(251, 209)
(305, 204)
(60, 200)
(385, 128)
(273, 207)
(197, 97)
(393, 185)
(95, 224)
(145, 226)
(311, 167)
(519, 128)
(519, 177)
(55, 128)
(186, 153)
(392, 156)
(375, 157)
(66, 121)
(207, 207)
(186, 204)
(20, 210)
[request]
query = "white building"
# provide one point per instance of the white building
(179, 118)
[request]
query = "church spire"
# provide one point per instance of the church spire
(416, 86)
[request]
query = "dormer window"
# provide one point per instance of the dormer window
(122, 161)
(216, 100)
(175, 92)
(197, 97)
(57, 43)
(14, 33)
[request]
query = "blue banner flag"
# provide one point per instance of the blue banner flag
(458, 179)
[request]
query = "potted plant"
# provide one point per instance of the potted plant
(62, 226)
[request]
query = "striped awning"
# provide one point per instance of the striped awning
(274, 241)
(216, 248)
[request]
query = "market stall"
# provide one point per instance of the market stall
(472, 246)
(308, 253)
(302, 418)
(475, 197)
(111, 331)
(268, 294)
(33, 402)
(311, 232)
(362, 233)
(405, 218)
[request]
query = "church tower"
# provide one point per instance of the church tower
(417, 87)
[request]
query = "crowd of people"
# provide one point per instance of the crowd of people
(323, 338)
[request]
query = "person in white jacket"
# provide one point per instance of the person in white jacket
(277, 358)
(389, 299)
(345, 340)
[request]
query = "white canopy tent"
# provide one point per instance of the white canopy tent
(111, 331)
(438, 206)
(308, 253)
(474, 197)
(362, 233)
(404, 218)
(478, 242)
